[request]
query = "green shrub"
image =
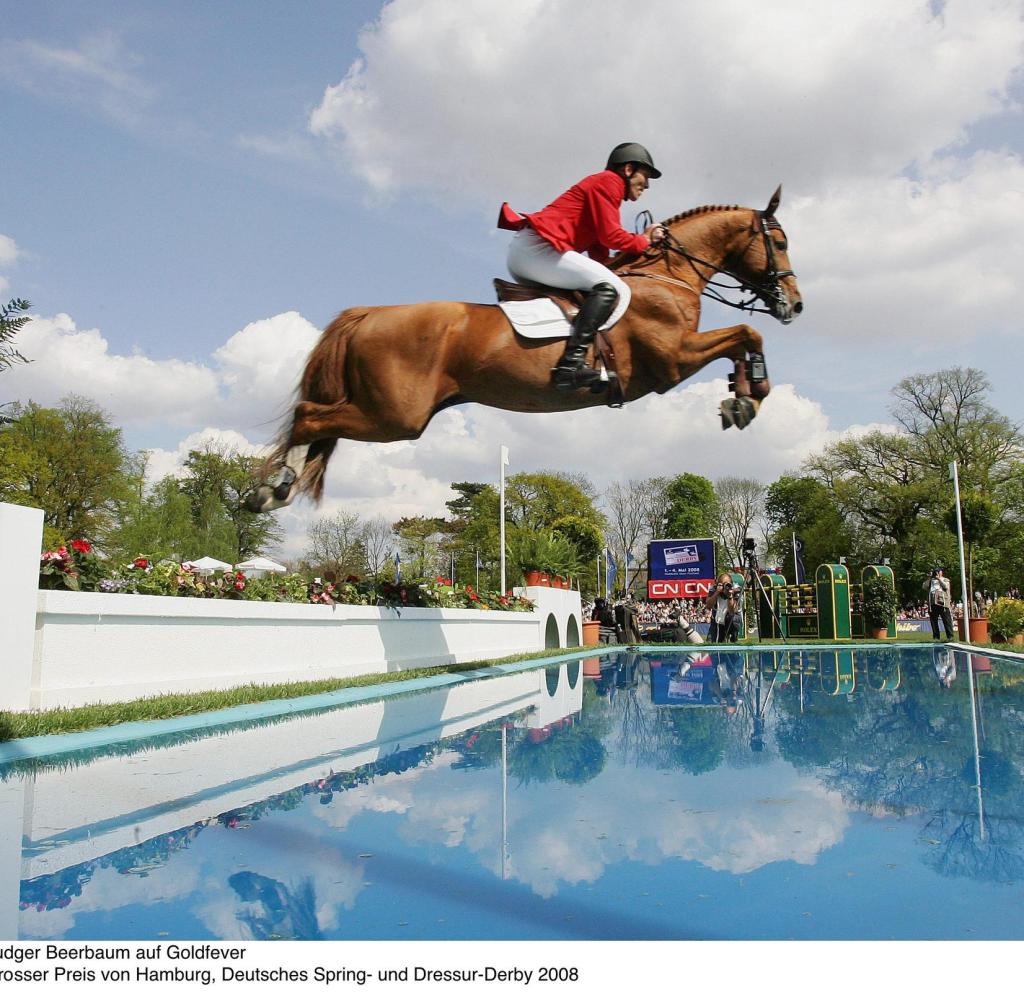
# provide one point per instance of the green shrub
(1006, 618)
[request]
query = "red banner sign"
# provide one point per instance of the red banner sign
(662, 589)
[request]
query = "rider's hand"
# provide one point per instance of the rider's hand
(655, 233)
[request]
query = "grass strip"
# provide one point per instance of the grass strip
(46, 722)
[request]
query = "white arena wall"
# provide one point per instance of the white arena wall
(64, 648)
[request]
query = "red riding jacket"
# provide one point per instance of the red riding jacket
(585, 218)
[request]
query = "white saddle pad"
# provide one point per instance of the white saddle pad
(539, 318)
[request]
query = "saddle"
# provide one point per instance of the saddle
(567, 300)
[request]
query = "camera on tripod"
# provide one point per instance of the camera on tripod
(749, 546)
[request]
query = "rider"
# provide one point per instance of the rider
(549, 245)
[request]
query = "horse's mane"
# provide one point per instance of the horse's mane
(698, 211)
(629, 258)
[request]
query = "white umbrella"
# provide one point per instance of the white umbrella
(207, 565)
(258, 566)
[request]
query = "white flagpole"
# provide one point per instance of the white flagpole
(960, 542)
(501, 496)
(599, 575)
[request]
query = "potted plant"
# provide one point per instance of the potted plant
(531, 552)
(880, 606)
(1006, 620)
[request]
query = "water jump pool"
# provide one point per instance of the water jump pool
(650, 794)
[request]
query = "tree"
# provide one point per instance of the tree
(625, 503)
(70, 462)
(538, 500)
(740, 503)
(217, 480)
(692, 509)
(803, 506)
(977, 519)
(157, 521)
(420, 542)
(10, 324)
(948, 416)
(337, 546)
(378, 545)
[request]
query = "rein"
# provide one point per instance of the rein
(768, 291)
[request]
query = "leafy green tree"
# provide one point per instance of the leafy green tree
(68, 460)
(420, 539)
(692, 508)
(155, 521)
(538, 500)
(10, 324)
(217, 480)
(977, 519)
(803, 506)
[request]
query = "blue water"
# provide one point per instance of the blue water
(650, 795)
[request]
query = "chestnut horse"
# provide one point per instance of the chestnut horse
(380, 373)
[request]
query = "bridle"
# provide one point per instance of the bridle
(768, 290)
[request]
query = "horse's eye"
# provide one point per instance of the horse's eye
(781, 244)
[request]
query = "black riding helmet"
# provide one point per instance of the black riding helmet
(632, 153)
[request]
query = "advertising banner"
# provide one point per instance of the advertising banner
(680, 568)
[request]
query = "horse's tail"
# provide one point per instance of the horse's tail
(323, 383)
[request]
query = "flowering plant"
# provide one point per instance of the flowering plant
(74, 568)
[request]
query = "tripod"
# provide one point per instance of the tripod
(750, 566)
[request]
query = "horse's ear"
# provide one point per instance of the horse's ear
(773, 202)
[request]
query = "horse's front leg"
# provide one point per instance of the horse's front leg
(749, 381)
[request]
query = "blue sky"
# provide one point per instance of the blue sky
(190, 191)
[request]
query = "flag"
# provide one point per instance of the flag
(398, 568)
(798, 557)
(611, 569)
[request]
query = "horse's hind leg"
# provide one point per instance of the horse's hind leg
(316, 427)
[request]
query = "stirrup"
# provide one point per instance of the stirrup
(571, 377)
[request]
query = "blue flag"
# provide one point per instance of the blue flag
(398, 568)
(611, 569)
(798, 559)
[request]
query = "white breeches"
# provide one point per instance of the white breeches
(532, 259)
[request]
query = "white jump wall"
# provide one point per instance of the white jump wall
(63, 648)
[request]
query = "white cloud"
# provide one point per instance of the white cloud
(9, 254)
(9, 251)
(862, 110)
(730, 96)
(99, 72)
(248, 386)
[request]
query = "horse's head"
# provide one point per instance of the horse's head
(762, 263)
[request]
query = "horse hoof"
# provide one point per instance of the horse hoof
(258, 500)
(726, 413)
(737, 413)
(285, 478)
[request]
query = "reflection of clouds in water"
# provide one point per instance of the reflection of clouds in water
(561, 836)
(109, 889)
(759, 816)
(336, 883)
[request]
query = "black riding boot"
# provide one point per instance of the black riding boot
(572, 372)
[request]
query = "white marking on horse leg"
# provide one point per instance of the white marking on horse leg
(296, 458)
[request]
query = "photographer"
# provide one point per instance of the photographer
(723, 603)
(940, 602)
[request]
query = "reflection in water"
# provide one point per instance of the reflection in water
(738, 764)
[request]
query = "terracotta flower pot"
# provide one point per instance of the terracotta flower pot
(979, 630)
(533, 578)
(557, 581)
(591, 633)
(881, 633)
